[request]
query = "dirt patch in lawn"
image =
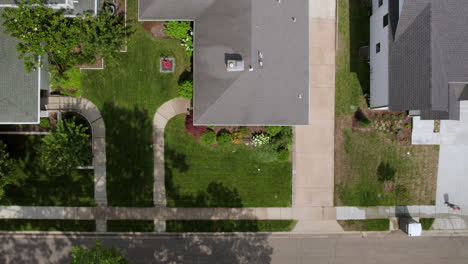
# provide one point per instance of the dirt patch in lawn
(155, 29)
(98, 64)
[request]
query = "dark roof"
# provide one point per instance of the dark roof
(428, 52)
(276, 94)
(19, 89)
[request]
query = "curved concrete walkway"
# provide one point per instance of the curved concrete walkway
(164, 113)
(88, 110)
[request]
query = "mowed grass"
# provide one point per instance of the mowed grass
(352, 75)
(358, 155)
(128, 92)
(130, 226)
(415, 170)
(365, 225)
(231, 226)
(35, 187)
(47, 225)
(210, 176)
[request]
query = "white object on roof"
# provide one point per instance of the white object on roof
(235, 65)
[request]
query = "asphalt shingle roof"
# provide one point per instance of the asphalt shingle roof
(428, 54)
(275, 94)
(19, 89)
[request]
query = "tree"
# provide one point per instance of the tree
(6, 165)
(67, 40)
(97, 255)
(186, 89)
(65, 148)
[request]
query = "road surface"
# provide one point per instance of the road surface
(256, 248)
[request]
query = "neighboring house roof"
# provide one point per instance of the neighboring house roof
(19, 89)
(428, 64)
(276, 94)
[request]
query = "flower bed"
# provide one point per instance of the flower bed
(395, 123)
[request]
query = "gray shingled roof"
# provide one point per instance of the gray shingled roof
(427, 54)
(19, 89)
(276, 94)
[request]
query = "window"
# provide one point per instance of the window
(377, 48)
(380, 3)
(385, 20)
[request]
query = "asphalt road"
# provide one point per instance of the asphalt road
(258, 248)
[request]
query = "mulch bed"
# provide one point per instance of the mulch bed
(155, 29)
(99, 64)
(390, 117)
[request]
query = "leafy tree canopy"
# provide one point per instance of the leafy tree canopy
(97, 255)
(65, 148)
(67, 40)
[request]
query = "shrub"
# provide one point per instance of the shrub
(377, 116)
(6, 166)
(181, 30)
(260, 140)
(406, 139)
(186, 89)
(97, 254)
(385, 172)
(224, 139)
(362, 118)
(236, 137)
(408, 126)
(244, 132)
(384, 116)
(283, 155)
(67, 147)
(177, 29)
(273, 130)
(401, 116)
(266, 153)
(196, 131)
(393, 116)
(44, 122)
(208, 138)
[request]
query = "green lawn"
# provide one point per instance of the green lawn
(414, 178)
(365, 225)
(211, 176)
(231, 226)
(35, 187)
(47, 225)
(352, 75)
(128, 92)
(426, 223)
(130, 226)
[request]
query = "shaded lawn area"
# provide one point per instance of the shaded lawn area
(128, 93)
(352, 75)
(130, 226)
(365, 225)
(210, 176)
(230, 226)
(47, 225)
(367, 154)
(35, 187)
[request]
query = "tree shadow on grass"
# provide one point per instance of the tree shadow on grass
(359, 35)
(34, 186)
(215, 195)
(129, 156)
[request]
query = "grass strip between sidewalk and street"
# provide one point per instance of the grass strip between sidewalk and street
(47, 225)
(130, 226)
(230, 225)
(365, 225)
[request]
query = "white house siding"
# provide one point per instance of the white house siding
(379, 61)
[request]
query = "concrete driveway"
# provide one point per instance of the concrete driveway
(452, 177)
